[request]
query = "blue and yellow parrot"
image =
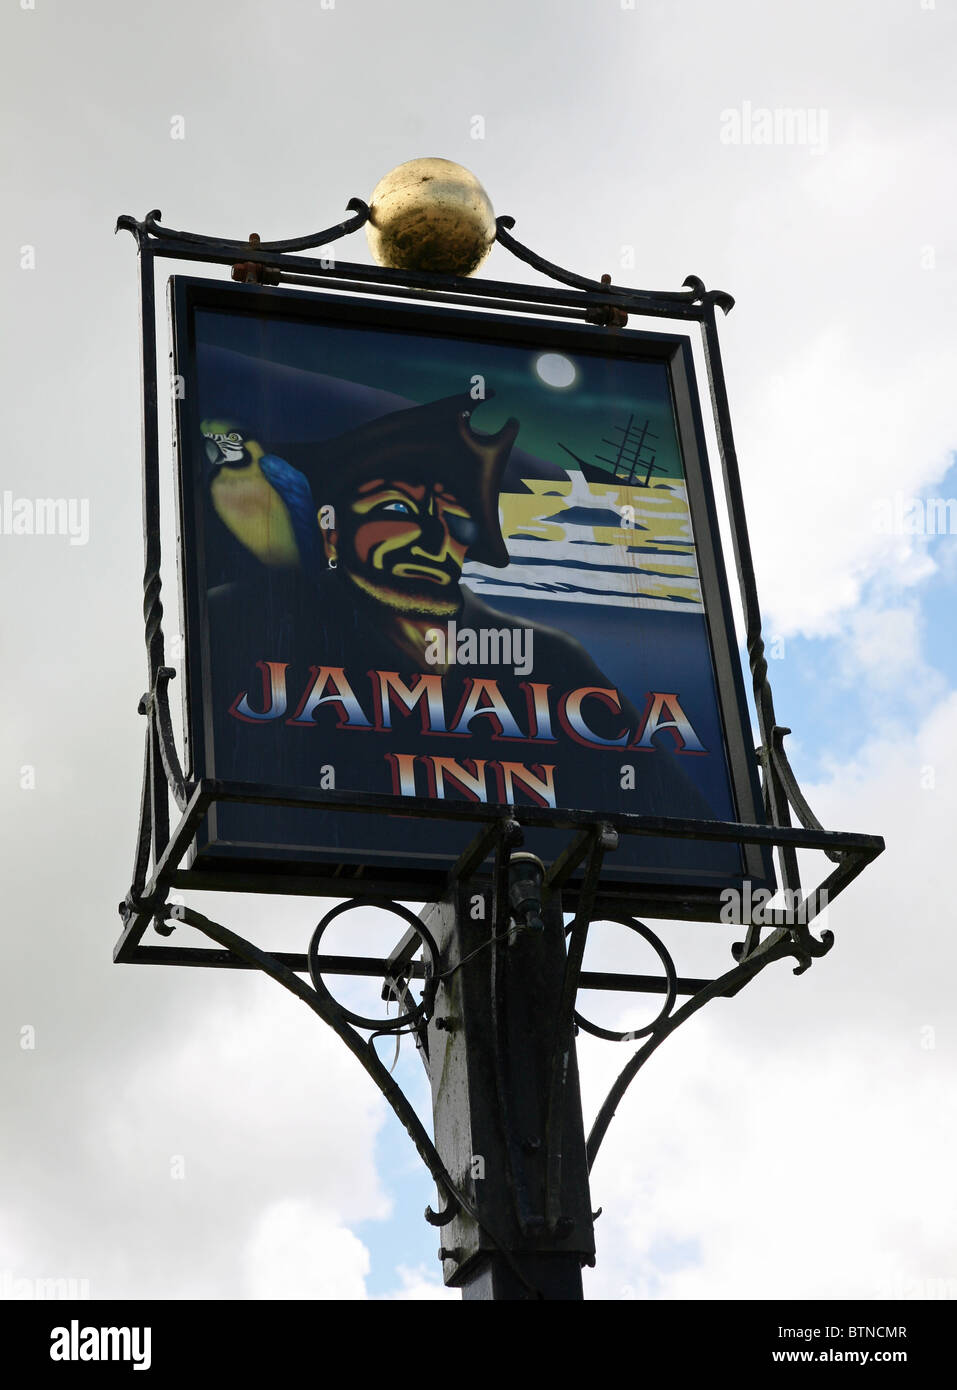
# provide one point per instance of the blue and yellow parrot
(266, 503)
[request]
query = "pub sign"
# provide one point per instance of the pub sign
(450, 557)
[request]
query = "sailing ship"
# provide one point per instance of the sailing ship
(634, 457)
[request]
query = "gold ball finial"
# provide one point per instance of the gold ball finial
(431, 214)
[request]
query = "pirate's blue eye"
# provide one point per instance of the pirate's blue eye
(400, 508)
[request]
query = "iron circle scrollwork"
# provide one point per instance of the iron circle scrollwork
(378, 1025)
(671, 992)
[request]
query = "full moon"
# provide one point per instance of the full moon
(555, 370)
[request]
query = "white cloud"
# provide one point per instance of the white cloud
(419, 1285)
(145, 1168)
(814, 1169)
(883, 650)
(798, 1141)
(830, 436)
(298, 1250)
(838, 356)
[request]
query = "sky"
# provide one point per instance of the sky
(174, 1133)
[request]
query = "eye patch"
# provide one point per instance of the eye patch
(461, 528)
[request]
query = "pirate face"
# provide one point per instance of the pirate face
(405, 543)
(429, 483)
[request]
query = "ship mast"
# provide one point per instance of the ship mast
(628, 462)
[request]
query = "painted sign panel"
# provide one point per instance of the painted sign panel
(450, 556)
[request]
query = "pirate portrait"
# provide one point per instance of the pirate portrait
(350, 612)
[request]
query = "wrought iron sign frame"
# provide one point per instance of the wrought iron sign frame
(160, 850)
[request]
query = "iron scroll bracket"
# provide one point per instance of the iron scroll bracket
(151, 227)
(500, 834)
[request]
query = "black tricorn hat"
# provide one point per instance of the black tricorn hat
(425, 443)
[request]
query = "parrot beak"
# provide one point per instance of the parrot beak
(215, 457)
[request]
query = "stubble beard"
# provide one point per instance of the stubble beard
(410, 604)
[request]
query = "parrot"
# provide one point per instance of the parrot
(262, 499)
